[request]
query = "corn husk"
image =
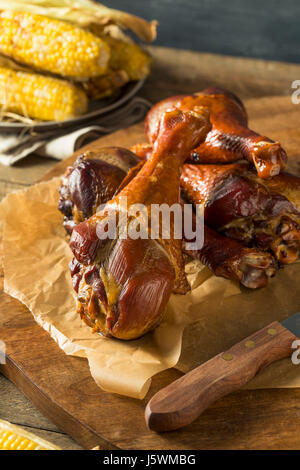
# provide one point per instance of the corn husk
(95, 17)
(83, 13)
(7, 116)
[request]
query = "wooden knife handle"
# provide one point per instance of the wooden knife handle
(184, 400)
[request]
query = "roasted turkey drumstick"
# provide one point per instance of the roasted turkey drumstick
(229, 140)
(91, 182)
(251, 211)
(260, 213)
(125, 283)
(228, 258)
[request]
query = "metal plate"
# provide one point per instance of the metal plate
(95, 110)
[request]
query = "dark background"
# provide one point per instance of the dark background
(266, 29)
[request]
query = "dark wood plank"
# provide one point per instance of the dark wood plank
(252, 419)
(17, 409)
(187, 71)
(184, 400)
(59, 439)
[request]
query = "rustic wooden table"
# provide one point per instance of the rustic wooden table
(175, 71)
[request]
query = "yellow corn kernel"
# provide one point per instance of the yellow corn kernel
(52, 45)
(40, 97)
(15, 438)
(106, 85)
(129, 57)
(128, 62)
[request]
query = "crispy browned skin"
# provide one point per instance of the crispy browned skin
(91, 182)
(125, 284)
(224, 256)
(229, 140)
(257, 213)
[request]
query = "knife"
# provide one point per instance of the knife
(181, 402)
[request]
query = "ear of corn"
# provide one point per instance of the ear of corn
(51, 45)
(106, 85)
(15, 438)
(84, 12)
(129, 57)
(128, 62)
(40, 97)
(100, 61)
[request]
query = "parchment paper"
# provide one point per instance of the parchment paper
(216, 314)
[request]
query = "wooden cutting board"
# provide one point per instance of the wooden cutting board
(63, 389)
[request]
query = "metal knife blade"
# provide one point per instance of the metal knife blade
(293, 324)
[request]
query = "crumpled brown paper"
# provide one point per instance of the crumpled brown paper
(216, 314)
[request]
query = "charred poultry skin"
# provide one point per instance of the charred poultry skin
(255, 212)
(228, 258)
(124, 284)
(223, 256)
(229, 140)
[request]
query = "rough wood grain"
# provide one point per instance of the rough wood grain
(184, 71)
(17, 409)
(62, 388)
(20, 411)
(181, 402)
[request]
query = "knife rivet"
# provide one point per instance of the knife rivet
(227, 357)
(272, 332)
(250, 344)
